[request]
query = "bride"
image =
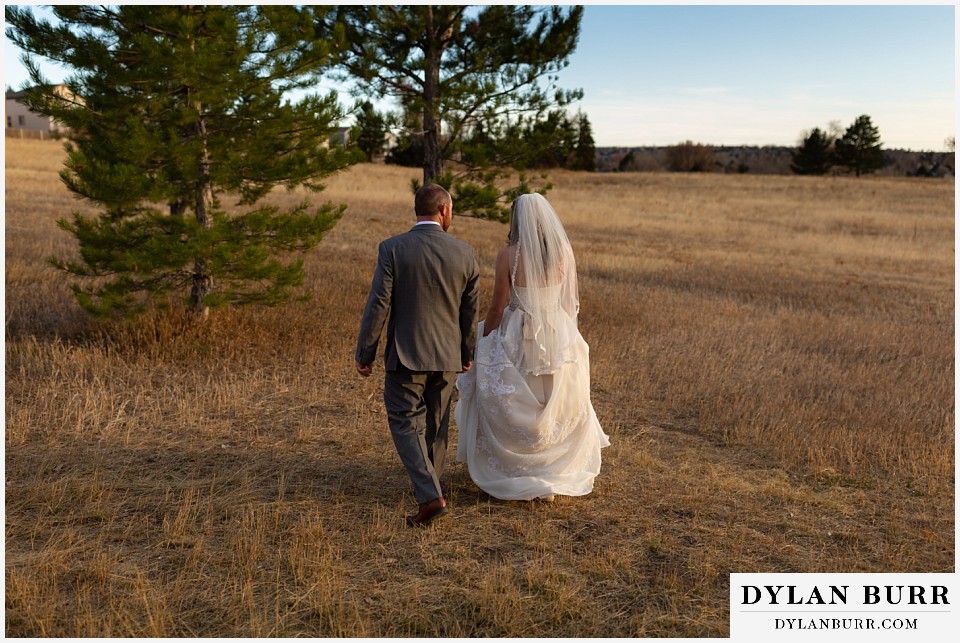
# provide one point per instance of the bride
(527, 429)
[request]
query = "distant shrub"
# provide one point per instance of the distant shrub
(690, 157)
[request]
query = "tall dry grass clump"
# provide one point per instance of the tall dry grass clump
(771, 356)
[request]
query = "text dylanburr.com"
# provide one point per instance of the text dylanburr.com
(847, 607)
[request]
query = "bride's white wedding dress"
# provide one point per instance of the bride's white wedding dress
(527, 428)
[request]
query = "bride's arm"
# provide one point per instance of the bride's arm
(501, 292)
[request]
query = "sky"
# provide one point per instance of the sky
(761, 75)
(656, 75)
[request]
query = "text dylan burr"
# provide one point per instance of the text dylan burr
(838, 594)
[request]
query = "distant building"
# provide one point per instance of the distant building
(20, 117)
(340, 137)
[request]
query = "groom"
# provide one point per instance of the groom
(426, 283)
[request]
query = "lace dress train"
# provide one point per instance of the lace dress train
(527, 428)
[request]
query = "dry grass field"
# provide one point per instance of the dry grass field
(772, 357)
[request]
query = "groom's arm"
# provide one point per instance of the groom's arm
(376, 311)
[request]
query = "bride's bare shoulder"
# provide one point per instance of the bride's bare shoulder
(507, 253)
(505, 258)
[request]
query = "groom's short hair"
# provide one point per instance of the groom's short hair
(429, 198)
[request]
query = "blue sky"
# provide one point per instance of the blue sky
(757, 75)
(753, 74)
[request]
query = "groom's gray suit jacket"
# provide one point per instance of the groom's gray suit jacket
(426, 283)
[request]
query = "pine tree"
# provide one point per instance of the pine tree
(171, 110)
(460, 67)
(479, 147)
(860, 149)
(814, 155)
(408, 151)
(547, 142)
(370, 131)
(585, 156)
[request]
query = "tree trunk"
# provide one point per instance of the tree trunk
(432, 157)
(202, 282)
(203, 200)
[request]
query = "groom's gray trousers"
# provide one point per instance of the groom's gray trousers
(418, 412)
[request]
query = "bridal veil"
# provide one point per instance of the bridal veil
(544, 285)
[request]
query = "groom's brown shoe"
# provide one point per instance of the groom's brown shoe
(429, 511)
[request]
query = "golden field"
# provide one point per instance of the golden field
(772, 357)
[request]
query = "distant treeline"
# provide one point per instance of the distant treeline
(756, 160)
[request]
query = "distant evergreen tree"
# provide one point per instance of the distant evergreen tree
(182, 106)
(408, 151)
(479, 147)
(860, 149)
(814, 156)
(585, 156)
(628, 163)
(549, 142)
(370, 131)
